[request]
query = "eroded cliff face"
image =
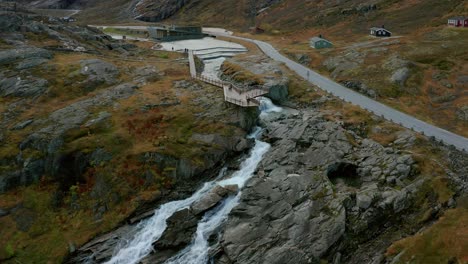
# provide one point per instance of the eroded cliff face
(104, 128)
(153, 11)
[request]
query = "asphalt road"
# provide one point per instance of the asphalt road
(356, 98)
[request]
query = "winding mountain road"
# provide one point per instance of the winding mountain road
(356, 98)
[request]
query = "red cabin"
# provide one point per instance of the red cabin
(458, 22)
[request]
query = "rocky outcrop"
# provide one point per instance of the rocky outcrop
(147, 10)
(360, 87)
(23, 87)
(49, 139)
(182, 168)
(341, 65)
(98, 72)
(321, 183)
(278, 221)
(13, 55)
(361, 9)
(182, 225)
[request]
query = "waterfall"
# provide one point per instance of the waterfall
(151, 230)
(197, 251)
(267, 106)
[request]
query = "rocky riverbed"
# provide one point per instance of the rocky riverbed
(319, 192)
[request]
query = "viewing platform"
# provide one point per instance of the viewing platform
(243, 97)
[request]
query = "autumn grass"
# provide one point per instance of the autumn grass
(126, 32)
(131, 131)
(52, 231)
(240, 74)
(443, 242)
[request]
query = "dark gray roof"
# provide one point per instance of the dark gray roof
(458, 18)
(317, 39)
(380, 28)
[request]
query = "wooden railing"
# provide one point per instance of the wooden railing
(209, 80)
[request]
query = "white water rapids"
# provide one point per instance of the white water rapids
(151, 230)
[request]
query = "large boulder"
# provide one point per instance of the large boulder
(278, 90)
(212, 199)
(179, 232)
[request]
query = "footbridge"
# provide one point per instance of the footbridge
(245, 97)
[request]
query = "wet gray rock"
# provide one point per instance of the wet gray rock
(278, 89)
(180, 229)
(212, 199)
(265, 229)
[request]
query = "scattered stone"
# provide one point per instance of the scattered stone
(405, 138)
(22, 125)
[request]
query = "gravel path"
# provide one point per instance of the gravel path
(356, 98)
